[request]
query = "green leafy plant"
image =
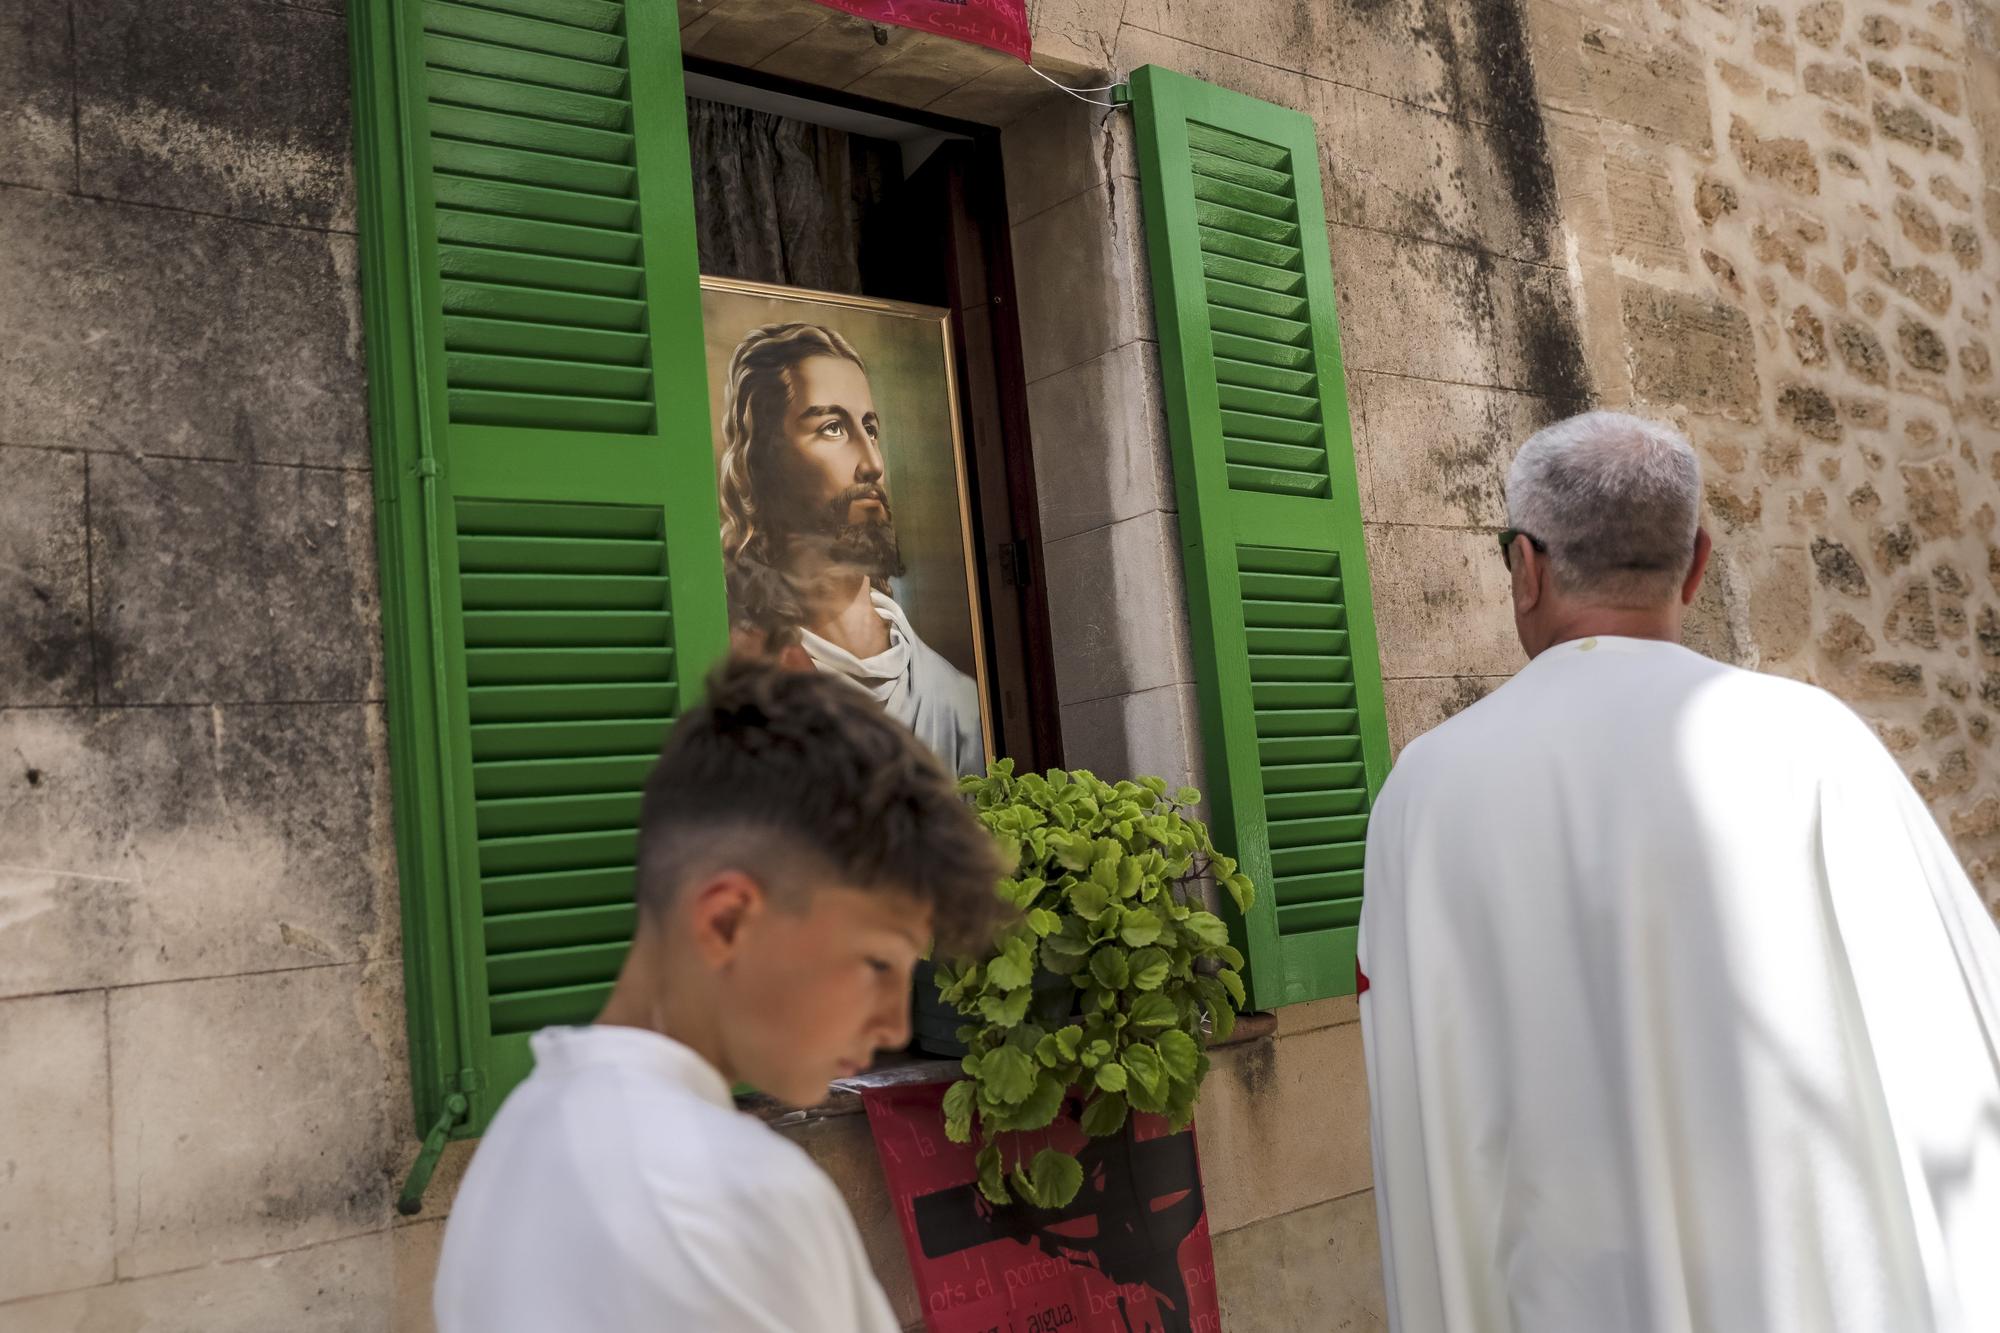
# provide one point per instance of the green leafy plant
(1111, 985)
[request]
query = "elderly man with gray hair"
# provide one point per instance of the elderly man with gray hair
(1679, 1012)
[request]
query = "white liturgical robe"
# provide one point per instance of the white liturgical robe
(619, 1190)
(1681, 1015)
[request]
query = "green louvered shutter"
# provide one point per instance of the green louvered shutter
(551, 565)
(1284, 640)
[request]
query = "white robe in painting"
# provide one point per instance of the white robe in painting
(916, 685)
(1681, 1016)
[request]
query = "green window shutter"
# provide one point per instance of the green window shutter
(550, 557)
(1277, 575)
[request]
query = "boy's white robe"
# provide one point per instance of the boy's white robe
(1681, 1015)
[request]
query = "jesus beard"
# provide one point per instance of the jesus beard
(871, 546)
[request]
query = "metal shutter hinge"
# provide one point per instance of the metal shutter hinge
(412, 1200)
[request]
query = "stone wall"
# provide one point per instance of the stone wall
(1532, 207)
(1782, 221)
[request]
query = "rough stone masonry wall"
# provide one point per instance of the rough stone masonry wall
(1783, 221)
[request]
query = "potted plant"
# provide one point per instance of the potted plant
(1108, 990)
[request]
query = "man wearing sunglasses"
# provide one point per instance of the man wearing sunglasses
(1680, 1013)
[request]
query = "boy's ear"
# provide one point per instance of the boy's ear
(719, 912)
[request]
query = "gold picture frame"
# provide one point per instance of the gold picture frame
(910, 361)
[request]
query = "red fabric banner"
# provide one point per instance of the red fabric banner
(1000, 24)
(1130, 1255)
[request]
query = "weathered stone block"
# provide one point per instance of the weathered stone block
(1645, 216)
(1789, 162)
(1152, 733)
(1394, 167)
(355, 1285)
(1083, 33)
(747, 32)
(1284, 1125)
(55, 1184)
(1922, 347)
(231, 107)
(924, 69)
(1781, 604)
(1065, 322)
(1691, 351)
(1438, 453)
(1656, 88)
(153, 844)
(255, 1114)
(1116, 606)
(1059, 152)
(1280, 35)
(1810, 410)
(1839, 83)
(232, 583)
(1861, 351)
(1838, 569)
(44, 583)
(1443, 603)
(1283, 83)
(1820, 22)
(1115, 403)
(37, 68)
(148, 330)
(1318, 1269)
(1445, 313)
(1417, 705)
(1881, 31)
(1808, 336)
(840, 49)
(1904, 122)
(1008, 92)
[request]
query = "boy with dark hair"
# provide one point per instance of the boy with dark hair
(798, 850)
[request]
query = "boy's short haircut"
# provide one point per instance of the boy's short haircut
(797, 778)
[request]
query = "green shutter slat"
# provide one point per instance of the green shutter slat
(567, 738)
(539, 69)
(1296, 640)
(507, 130)
(558, 777)
(482, 300)
(534, 375)
(1283, 355)
(480, 407)
(565, 592)
(544, 969)
(1302, 458)
(557, 851)
(1275, 378)
(492, 553)
(570, 703)
(1242, 199)
(1293, 406)
(530, 34)
(1307, 722)
(563, 926)
(564, 890)
(478, 264)
(523, 816)
(535, 202)
(1325, 803)
(530, 1010)
(534, 236)
(1268, 328)
(1263, 277)
(1218, 167)
(1286, 667)
(595, 629)
(1233, 146)
(1312, 832)
(1277, 430)
(1235, 297)
(1319, 914)
(551, 170)
(454, 88)
(598, 15)
(564, 666)
(467, 334)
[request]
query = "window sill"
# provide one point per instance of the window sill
(844, 1097)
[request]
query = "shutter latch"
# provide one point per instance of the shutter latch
(412, 1200)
